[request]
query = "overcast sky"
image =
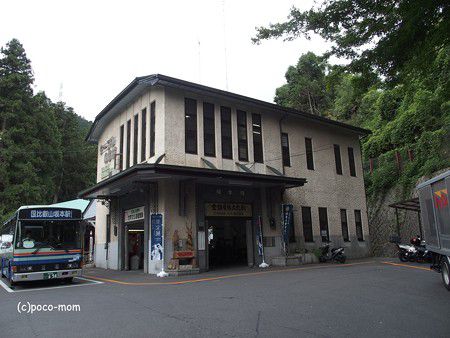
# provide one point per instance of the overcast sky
(93, 49)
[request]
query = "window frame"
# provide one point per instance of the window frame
(337, 159)
(209, 134)
(135, 138)
(285, 151)
(190, 126)
(143, 133)
(351, 161)
(309, 152)
(152, 128)
(128, 150)
(258, 147)
(308, 226)
(344, 225)
(121, 144)
(241, 127)
(225, 126)
(323, 224)
(360, 239)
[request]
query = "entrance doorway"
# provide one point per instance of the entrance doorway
(227, 242)
(135, 247)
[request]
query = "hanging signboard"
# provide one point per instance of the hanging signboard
(287, 211)
(135, 214)
(228, 210)
(260, 237)
(156, 240)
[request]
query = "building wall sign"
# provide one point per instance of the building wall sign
(228, 210)
(135, 214)
(108, 150)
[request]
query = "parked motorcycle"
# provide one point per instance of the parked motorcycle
(421, 254)
(414, 252)
(334, 254)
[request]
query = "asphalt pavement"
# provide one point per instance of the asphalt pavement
(360, 299)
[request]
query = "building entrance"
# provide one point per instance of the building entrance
(227, 242)
(135, 247)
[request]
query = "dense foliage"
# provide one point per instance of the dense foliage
(396, 83)
(43, 155)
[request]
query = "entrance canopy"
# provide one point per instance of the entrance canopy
(131, 178)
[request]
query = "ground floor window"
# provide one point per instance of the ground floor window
(307, 224)
(358, 224)
(323, 222)
(344, 225)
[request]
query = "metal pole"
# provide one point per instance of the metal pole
(398, 223)
(420, 224)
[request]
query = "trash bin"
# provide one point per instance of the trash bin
(134, 262)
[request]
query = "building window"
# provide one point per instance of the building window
(323, 222)
(122, 131)
(257, 138)
(143, 133)
(209, 134)
(307, 224)
(309, 154)
(344, 225)
(225, 121)
(242, 135)
(190, 118)
(127, 158)
(152, 129)
(135, 138)
(285, 150)
(358, 224)
(337, 159)
(351, 161)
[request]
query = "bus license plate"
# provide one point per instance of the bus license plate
(50, 275)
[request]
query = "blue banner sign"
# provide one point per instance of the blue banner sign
(157, 247)
(287, 215)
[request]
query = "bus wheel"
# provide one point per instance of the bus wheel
(445, 271)
(68, 280)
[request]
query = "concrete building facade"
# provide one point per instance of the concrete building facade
(214, 166)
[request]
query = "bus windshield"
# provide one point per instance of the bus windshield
(57, 235)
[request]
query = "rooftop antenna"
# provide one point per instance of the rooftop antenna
(60, 92)
(199, 63)
(225, 44)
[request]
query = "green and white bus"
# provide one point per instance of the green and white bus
(40, 243)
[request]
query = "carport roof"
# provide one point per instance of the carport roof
(411, 204)
(124, 181)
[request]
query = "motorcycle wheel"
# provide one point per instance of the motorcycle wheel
(403, 257)
(445, 271)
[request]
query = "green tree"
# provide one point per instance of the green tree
(305, 88)
(386, 36)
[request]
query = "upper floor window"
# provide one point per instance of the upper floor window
(358, 224)
(190, 118)
(225, 123)
(309, 154)
(135, 138)
(209, 134)
(127, 155)
(344, 225)
(351, 161)
(285, 150)
(242, 135)
(122, 131)
(143, 133)
(337, 159)
(152, 129)
(257, 138)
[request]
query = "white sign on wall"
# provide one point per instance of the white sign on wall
(135, 214)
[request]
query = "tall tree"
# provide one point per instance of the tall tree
(386, 36)
(305, 88)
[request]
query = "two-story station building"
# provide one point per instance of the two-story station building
(214, 164)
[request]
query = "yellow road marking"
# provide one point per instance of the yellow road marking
(407, 266)
(208, 279)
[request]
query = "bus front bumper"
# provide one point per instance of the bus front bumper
(46, 275)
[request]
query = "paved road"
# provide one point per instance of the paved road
(367, 299)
